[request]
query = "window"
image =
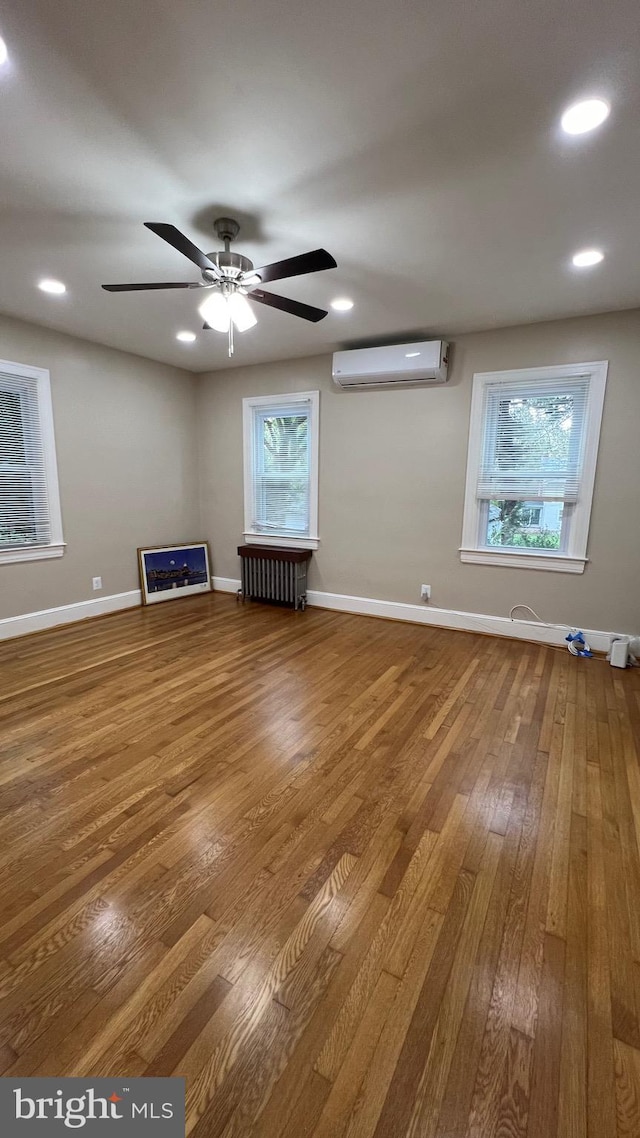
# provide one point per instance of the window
(533, 444)
(281, 469)
(30, 522)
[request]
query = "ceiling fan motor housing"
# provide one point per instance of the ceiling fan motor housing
(231, 265)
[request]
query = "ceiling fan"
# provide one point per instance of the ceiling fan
(230, 279)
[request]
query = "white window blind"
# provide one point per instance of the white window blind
(282, 469)
(30, 524)
(533, 440)
(24, 498)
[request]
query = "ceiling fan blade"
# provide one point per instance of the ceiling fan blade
(312, 262)
(158, 284)
(174, 237)
(295, 307)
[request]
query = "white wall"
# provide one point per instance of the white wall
(392, 472)
(125, 430)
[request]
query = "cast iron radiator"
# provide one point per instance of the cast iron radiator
(275, 575)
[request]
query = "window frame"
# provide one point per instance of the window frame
(56, 546)
(269, 403)
(573, 558)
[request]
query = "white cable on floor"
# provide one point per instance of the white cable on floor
(576, 642)
(535, 615)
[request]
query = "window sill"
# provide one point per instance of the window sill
(553, 562)
(32, 553)
(285, 542)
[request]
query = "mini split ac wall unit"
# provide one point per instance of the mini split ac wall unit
(399, 365)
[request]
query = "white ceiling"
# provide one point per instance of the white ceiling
(418, 142)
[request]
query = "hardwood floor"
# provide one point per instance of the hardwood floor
(353, 879)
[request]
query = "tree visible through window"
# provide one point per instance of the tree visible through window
(520, 525)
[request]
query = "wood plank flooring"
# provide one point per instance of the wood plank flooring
(353, 879)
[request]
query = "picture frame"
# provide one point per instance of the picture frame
(169, 572)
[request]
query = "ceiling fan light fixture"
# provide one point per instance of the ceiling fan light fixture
(241, 312)
(214, 310)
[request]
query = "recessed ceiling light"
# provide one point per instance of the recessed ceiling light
(186, 337)
(410, 355)
(341, 304)
(4, 54)
(56, 288)
(587, 257)
(584, 116)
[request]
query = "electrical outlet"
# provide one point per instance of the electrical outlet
(97, 582)
(425, 592)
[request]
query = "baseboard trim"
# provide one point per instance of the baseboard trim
(226, 585)
(440, 618)
(29, 622)
(67, 614)
(452, 618)
(338, 602)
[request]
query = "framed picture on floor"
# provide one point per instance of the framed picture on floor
(171, 571)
